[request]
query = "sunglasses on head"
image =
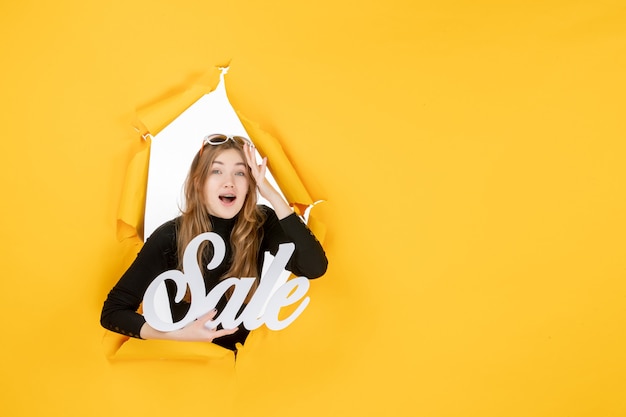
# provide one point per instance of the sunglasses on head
(218, 139)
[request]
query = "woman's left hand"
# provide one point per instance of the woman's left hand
(266, 190)
(258, 172)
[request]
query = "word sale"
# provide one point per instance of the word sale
(264, 306)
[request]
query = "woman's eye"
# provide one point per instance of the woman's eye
(241, 174)
(216, 171)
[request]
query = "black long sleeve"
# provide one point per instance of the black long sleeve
(158, 254)
(309, 259)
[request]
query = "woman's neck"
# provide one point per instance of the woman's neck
(222, 225)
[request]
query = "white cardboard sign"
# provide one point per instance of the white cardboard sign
(263, 308)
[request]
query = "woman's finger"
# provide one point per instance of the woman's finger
(208, 316)
(251, 160)
(262, 169)
(224, 332)
(249, 151)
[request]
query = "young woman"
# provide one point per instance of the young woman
(221, 197)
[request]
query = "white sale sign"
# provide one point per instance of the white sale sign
(263, 308)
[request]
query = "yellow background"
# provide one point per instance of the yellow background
(471, 154)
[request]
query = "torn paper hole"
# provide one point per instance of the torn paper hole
(171, 153)
(173, 149)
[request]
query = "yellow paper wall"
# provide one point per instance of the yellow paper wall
(471, 156)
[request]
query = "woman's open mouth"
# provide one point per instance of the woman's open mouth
(228, 199)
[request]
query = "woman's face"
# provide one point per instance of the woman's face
(226, 185)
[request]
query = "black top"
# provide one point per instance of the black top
(160, 254)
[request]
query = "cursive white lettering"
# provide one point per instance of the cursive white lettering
(263, 308)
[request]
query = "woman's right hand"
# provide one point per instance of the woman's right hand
(196, 331)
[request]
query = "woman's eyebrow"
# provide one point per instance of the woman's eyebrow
(236, 163)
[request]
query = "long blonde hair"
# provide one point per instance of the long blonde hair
(247, 232)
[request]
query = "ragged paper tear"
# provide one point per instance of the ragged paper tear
(172, 129)
(173, 149)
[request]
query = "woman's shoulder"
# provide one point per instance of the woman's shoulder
(268, 215)
(165, 232)
(266, 210)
